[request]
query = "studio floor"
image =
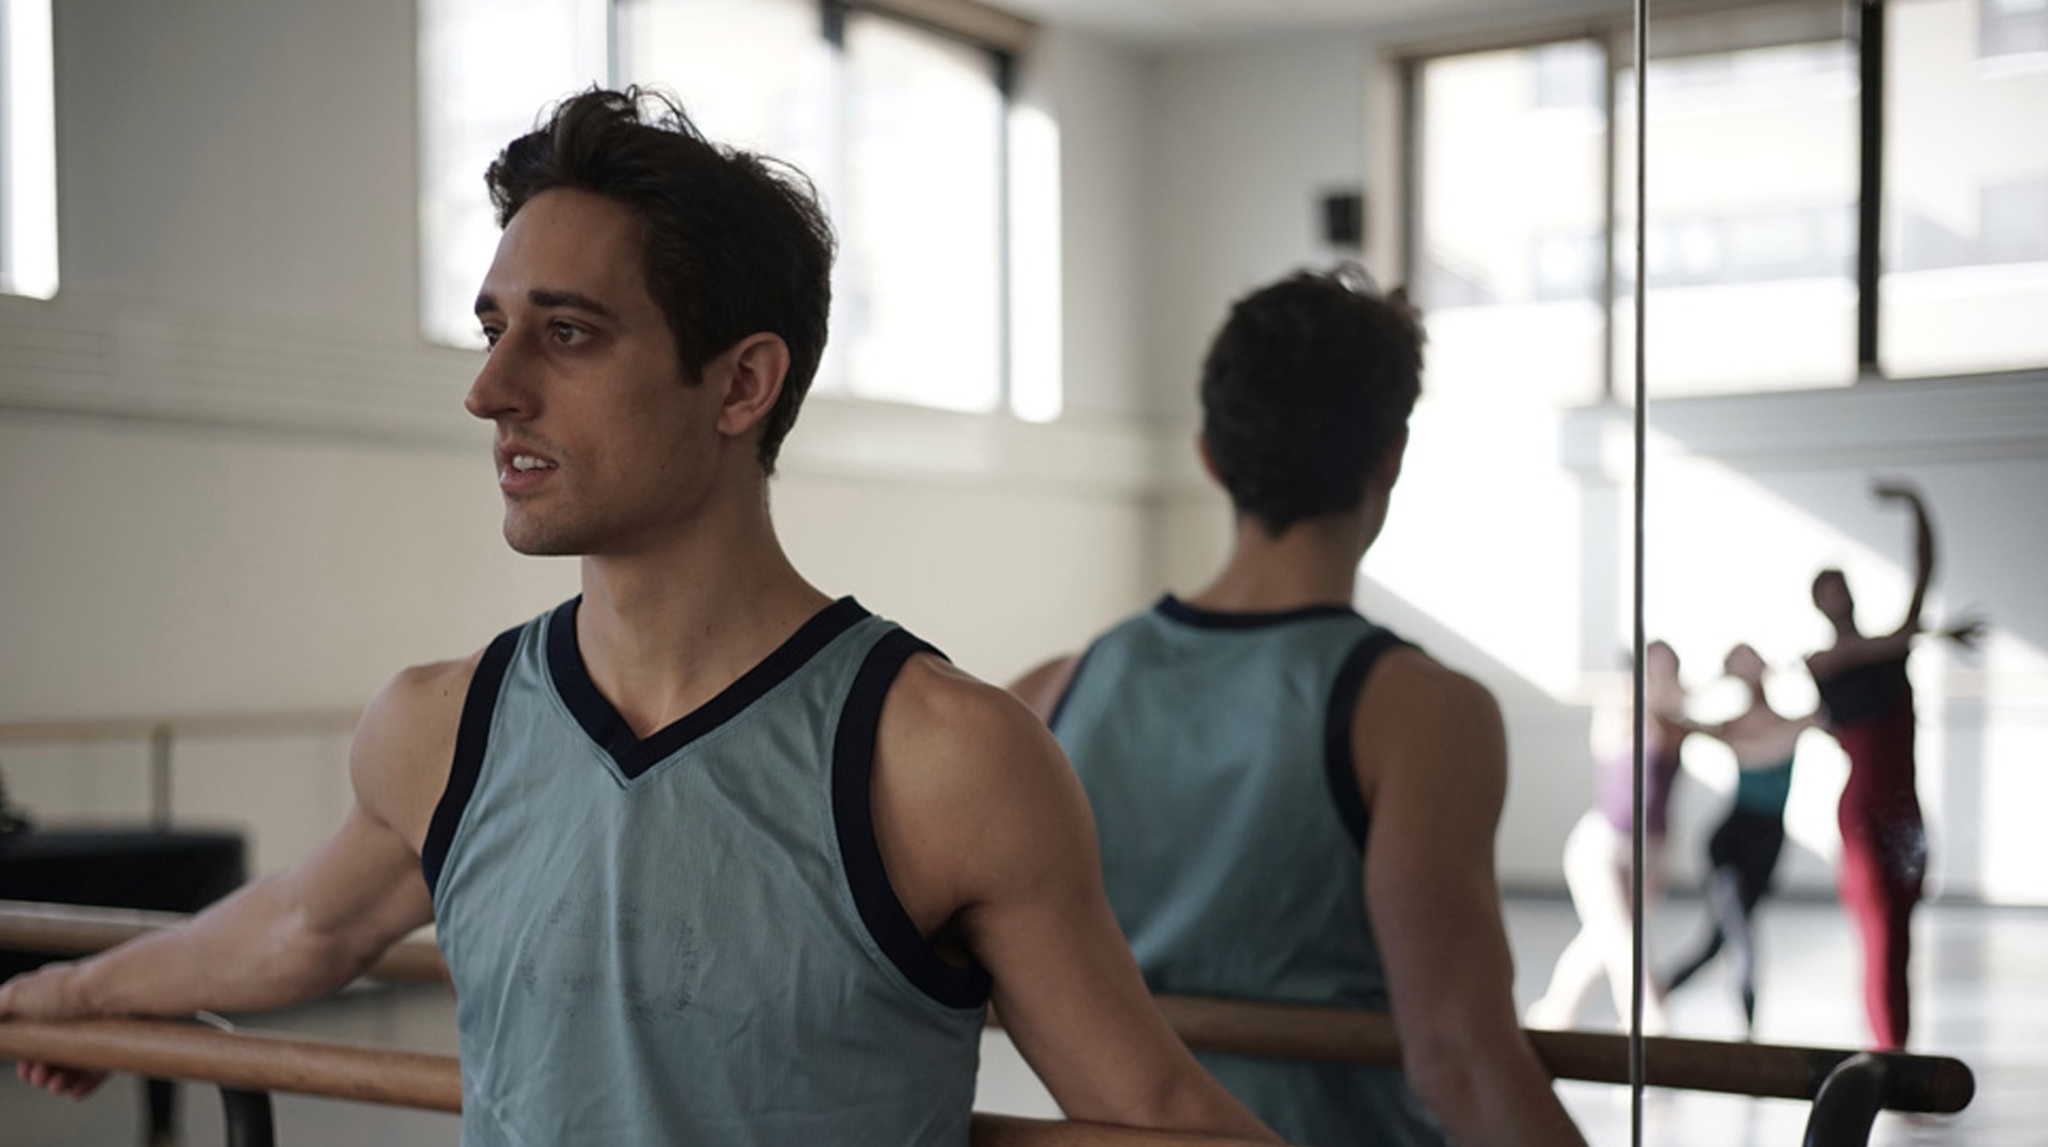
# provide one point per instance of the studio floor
(1980, 993)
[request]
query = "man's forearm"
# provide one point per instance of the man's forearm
(246, 953)
(1495, 1094)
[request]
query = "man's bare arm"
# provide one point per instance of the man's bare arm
(1431, 757)
(295, 934)
(986, 834)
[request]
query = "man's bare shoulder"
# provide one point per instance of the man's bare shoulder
(967, 780)
(937, 709)
(405, 743)
(1417, 715)
(1409, 681)
(1042, 688)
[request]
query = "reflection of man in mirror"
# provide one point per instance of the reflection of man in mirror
(1869, 703)
(1293, 804)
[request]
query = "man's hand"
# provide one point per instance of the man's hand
(45, 994)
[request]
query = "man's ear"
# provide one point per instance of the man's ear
(1208, 459)
(752, 370)
(1389, 468)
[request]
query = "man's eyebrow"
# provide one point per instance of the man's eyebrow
(540, 297)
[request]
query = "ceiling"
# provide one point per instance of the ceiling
(1181, 21)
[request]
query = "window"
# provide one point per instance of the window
(1757, 197)
(486, 68)
(1965, 280)
(28, 151)
(1509, 262)
(1752, 204)
(904, 130)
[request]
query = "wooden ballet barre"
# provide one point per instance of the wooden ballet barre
(264, 723)
(1917, 1083)
(243, 1060)
(261, 1062)
(71, 930)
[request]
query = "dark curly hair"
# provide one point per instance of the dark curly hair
(734, 243)
(1305, 388)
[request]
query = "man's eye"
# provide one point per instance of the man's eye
(568, 334)
(491, 335)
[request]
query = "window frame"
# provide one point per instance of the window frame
(1000, 37)
(1864, 25)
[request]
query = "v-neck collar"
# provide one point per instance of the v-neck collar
(634, 755)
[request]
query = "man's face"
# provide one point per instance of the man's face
(602, 446)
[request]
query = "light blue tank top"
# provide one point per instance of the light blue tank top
(689, 939)
(1216, 752)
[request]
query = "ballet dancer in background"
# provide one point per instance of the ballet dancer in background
(1598, 855)
(1743, 852)
(1869, 705)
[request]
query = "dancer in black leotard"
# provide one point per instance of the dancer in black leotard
(1869, 702)
(1744, 849)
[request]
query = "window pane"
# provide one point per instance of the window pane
(756, 74)
(486, 69)
(28, 151)
(1509, 250)
(916, 312)
(1965, 284)
(1752, 235)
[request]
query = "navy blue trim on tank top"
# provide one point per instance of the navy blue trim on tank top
(853, 770)
(1060, 706)
(472, 737)
(611, 732)
(1339, 768)
(1181, 611)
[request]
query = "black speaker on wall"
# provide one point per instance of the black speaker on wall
(1344, 219)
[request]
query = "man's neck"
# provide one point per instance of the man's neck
(664, 630)
(1311, 563)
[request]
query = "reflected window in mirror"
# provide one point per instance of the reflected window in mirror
(1965, 279)
(1755, 193)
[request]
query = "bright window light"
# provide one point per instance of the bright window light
(487, 67)
(28, 151)
(1035, 331)
(918, 293)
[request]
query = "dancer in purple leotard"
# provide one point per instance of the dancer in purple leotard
(1598, 858)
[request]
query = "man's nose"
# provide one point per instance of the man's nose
(500, 389)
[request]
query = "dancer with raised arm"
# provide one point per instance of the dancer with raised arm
(1869, 705)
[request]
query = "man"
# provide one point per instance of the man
(713, 858)
(1292, 804)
